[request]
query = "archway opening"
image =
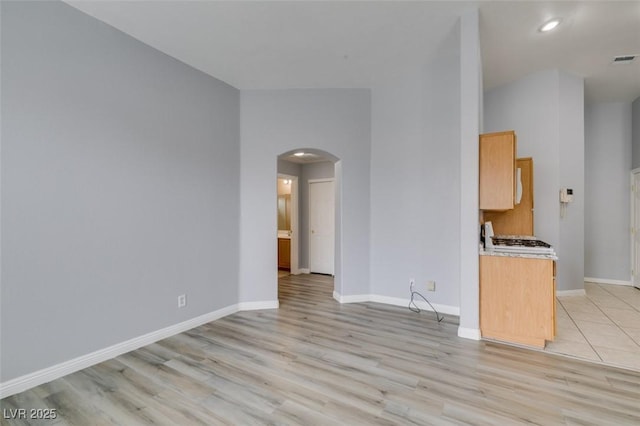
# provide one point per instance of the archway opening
(313, 231)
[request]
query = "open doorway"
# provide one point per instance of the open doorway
(288, 235)
(314, 174)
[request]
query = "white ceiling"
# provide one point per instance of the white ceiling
(294, 44)
(590, 36)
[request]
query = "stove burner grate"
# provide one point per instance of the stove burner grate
(519, 242)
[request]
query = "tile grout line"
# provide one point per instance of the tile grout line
(617, 297)
(610, 319)
(632, 307)
(580, 331)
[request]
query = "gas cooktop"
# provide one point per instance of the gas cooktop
(519, 242)
(516, 244)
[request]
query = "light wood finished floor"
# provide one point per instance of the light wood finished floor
(316, 362)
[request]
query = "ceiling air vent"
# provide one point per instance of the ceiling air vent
(624, 59)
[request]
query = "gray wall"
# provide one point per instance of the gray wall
(608, 162)
(337, 121)
(424, 180)
(471, 115)
(120, 171)
(289, 168)
(635, 133)
(570, 270)
(415, 179)
(545, 110)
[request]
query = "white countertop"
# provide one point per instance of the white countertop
(484, 252)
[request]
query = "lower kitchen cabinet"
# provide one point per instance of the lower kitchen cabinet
(517, 299)
(284, 253)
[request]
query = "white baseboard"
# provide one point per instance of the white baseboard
(578, 292)
(395, 301)
(469, 333)
(28, 381)
(302, 271)
(399, 301)
(254, 306)
(354, 298)
(606, 281)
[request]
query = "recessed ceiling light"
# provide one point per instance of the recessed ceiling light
(299, 154)
(549, 25)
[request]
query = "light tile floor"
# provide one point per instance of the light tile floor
(602, 326)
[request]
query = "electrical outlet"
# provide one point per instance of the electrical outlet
(182, 301)
(431, 286)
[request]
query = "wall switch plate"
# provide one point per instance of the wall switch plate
(431, 286)
(182, 301)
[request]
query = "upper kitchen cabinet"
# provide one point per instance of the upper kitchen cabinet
(519, 220)
(497, 170)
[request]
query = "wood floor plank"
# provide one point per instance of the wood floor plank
(315, 361)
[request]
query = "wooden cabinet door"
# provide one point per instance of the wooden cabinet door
(284, 253)
(497, 170)
(518, 221)
(517, 299)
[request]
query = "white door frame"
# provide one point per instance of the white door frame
(633, 227)
(295, 239)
